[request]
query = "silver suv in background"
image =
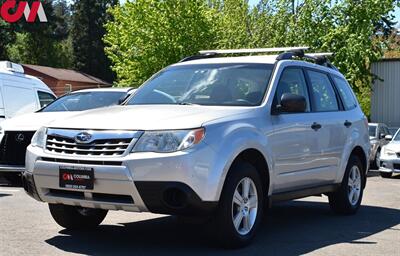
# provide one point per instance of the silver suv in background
(379, 136)
(211, 136)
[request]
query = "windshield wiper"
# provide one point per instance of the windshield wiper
(188, 103)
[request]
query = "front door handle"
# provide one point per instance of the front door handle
(316, 126)
(347, 123)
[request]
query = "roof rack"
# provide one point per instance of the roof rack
(317, 58)
(287, 53)
(214, 53)
(256, 50)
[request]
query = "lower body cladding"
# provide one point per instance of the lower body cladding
(119, 185)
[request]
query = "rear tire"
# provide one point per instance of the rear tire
(241, 207)
(386, 175)
(76, 218)
(347, 199)
(376, 163)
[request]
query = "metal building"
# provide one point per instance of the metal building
(385, 98)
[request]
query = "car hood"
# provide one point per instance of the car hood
(147, 117)
(393, 145)
(33, 121)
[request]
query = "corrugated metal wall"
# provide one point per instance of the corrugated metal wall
(385, 101)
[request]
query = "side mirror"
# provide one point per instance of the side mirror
(292, 103)
(388, 137)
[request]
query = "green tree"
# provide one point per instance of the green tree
(89, 17)
(147, 35)
(41, 43)
(7, 36)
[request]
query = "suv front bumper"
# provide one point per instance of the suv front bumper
(174, 183)
(390, 164)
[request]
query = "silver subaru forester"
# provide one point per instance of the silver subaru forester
(211, 136)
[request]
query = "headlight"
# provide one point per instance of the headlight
(389, 152)
(39, 138)
(168, 141)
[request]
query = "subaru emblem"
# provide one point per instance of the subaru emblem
(83, 137)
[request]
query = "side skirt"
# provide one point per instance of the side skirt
(296, 194)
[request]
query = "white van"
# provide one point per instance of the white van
(20, 93)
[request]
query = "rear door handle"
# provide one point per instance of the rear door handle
(316, 126)
(347, 123)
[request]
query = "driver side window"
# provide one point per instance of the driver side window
(292, 81)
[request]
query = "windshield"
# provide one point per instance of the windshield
(206, 84)
(372, 130)
(85, 100)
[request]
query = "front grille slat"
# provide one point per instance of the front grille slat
(56, 142)
(100, 147)
(85, 150)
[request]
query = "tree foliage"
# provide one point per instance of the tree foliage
(40, 43)
(87, 31)
(146, 35)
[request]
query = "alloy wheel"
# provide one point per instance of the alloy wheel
(354, 185)
(245, 206)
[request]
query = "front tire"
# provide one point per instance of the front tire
(241, 207)
(386, 175)
(74, 217)
(347, 199)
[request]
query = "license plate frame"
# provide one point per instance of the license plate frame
(74, 177)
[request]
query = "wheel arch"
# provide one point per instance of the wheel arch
(359, 152)
(258, 160)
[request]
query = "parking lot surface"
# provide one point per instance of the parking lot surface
(299, 227)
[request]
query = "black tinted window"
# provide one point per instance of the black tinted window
(207, 84)
(85, 100)
(324, 97)
(292, 81)
(372, 130)
(45, 98)
(345, 93)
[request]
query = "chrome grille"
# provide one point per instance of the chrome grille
(104, 143)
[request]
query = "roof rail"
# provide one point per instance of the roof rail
(256, 50)
(13, 67)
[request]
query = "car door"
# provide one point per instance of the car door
(327, 113)
(295, 144)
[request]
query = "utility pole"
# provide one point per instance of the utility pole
(293, 7)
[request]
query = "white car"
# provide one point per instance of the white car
(212, 136)
(20, 93)
(16, 133)
(390, 156)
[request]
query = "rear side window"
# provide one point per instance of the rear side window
(292, 81)
(345, 93)
(45, 98)
(323, 94)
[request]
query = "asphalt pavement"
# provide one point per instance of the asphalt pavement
(298, 227)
